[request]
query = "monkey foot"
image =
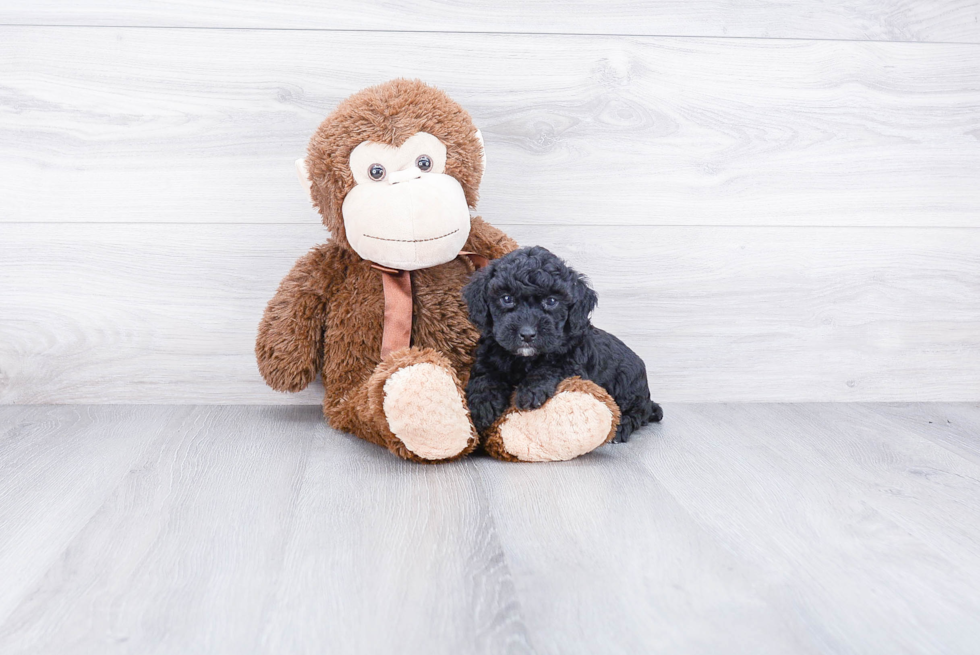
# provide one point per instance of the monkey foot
(579, 418)
(426, 412)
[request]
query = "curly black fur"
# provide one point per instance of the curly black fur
(533, 311)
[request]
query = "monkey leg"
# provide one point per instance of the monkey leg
(413, 405)
(579, 418)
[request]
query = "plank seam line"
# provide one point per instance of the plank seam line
(791, 226)
(484, 485)
(488, 33)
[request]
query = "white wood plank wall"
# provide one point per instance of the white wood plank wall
(776, 203)
(876, 20)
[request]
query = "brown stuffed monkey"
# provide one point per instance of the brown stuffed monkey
(378, 310)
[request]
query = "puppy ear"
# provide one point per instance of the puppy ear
(585, 300)
(475, 295)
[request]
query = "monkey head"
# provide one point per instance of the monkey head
(394, 171)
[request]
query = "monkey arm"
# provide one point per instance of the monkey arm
(487, 240)
(289, 347)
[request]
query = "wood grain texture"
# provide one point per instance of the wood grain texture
(57, 467)
(177, 125)
(914, 476)
(198, 526)
(710, 533)
(606, 560)
(951, 426)
(893, 20)
(831, 506)
(743, 528)
(168, 313)
(260, 530)
(402, 559)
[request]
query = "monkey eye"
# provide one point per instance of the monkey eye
(507, 301)
(550, 302)
(424, 163)
(377, 172)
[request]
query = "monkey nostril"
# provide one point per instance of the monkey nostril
(398, 177)
(527, 334)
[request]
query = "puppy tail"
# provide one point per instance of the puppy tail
(656, 412)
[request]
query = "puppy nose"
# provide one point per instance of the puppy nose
(527, 334)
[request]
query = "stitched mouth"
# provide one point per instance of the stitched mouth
(413, 240)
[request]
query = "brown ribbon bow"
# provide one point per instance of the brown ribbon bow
(398, 304)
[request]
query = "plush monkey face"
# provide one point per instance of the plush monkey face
(404, 211)
(394, 171)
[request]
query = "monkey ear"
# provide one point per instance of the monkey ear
(475, 295)
(584, 302)
(483, 151)
(304, 177)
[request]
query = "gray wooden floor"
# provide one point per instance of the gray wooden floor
(727, 529)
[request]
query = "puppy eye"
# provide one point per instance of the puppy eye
(550, 302)
(507, 301)
(424, 163)
(377, 172)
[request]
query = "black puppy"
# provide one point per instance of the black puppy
(533, 315)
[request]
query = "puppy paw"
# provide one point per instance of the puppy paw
(533, 396)
(487, 400)
(484, 411)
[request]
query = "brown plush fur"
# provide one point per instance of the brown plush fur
(494, 444)
(370, 423)
(389, 113)
(327, 315)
